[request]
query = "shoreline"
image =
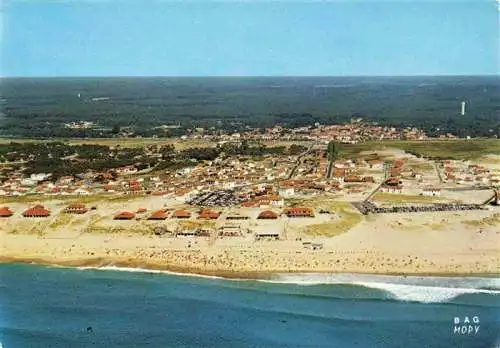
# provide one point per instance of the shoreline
(140, 266)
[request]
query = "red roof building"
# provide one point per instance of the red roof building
(339, 172)
(248, 204)
(267, 215)
(36, 211)
(368, 179)
(5, 212)
(181, 214)
(158, 215)
(392, 181)
(398, 163)
(124, 215)
(353, 178)
(299, 212)
(209, 214)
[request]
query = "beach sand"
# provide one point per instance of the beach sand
(444, 243)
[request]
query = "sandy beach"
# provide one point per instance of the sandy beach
(426, 243)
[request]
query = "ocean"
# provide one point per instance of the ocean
(63, 307)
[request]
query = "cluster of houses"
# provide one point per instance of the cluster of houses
(353, 132)
(231, 226)
(242, 175)
(18, 185)
(37, 211)
(359, 132)
(40, 211)
(211, 214)
(394, 184)
(461, 174)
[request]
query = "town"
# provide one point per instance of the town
(298, 191)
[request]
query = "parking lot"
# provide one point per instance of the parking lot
(219, 198)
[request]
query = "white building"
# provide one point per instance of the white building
(277, 201)
(228, 185)
(431, 191)
(287, 191)
(40, 176)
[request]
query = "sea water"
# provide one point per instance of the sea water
(62, 307)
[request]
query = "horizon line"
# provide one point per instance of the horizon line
(244, 76)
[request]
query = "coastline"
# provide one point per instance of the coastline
(399, 245)
(125, 265)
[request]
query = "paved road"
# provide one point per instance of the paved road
(438, 172)
(299, 159)
(386, 171)
(469, 188)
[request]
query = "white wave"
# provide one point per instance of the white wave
(403, 288)
(424, 294)
(146, 270)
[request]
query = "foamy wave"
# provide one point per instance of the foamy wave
(424, 294)
(411, 288)
(146, 270)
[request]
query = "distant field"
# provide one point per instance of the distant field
(123, 142)
(139, 142)
(452, 149)
(31, 199)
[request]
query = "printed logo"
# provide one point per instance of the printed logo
(466, 326)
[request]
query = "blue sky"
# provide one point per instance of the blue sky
(259, 38)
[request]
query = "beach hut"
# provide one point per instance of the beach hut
(267, 215)
(209, 214)
(267, 235)
(158, 215)
(204, 232)
(230, 230)
(299, 212)
(124, 215)
(236, 216)
(76, 208)
(5, 212)
(181, 214)
(141, 210)
(36, 211)
(187, 233)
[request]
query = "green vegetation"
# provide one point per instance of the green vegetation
(435, 226)
(170, 107)
(434, 149)
(333, 150)
(61, 220)
(345, 218)
(493, 220)
(296, 149)
(61, 159)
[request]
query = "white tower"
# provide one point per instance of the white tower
(463, 109)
